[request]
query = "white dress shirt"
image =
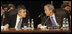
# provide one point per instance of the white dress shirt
(54, 19)
(17, 21)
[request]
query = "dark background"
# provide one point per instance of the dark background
(34, 7)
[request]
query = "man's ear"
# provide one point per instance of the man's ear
(19, 12)
(50, 11)
(25, 9)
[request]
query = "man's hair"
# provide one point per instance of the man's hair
(50, 7)
(64, 5)
(5, 6)
(11, 5)
(20, 7)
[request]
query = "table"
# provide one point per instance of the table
(35, 31)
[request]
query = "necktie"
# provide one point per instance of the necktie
(53, 22)
(19, 24)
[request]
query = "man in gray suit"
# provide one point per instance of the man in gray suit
(51, 19)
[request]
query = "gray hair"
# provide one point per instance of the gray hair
(50, 7)
(11, 5)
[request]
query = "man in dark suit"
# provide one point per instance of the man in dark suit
(19, 19)
(51, 19)
(67, 7)
(11, 10)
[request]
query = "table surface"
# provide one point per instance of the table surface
(34, 31)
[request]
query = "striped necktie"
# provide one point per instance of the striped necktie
(19, 24)
(53, 22)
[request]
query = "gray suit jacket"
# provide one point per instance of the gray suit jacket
(49, 23)
(59, 15)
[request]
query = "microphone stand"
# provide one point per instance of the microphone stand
(46, 20)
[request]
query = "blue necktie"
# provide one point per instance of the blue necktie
(19, 24)
(53, 22)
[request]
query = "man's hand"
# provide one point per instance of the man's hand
(6, 27)
(39, 25)
(2, 27)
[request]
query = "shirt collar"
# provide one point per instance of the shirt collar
(18, 16)
(52, 15)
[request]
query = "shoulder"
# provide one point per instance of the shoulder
(60, 12)
(12, 16)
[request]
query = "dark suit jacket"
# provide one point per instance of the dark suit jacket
(11, 20)
(12, 12)
(59, 15)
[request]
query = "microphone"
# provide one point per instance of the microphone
(46, 20)
(40, 15)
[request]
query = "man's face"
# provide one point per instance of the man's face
(1, 9)
(5, 8)
(11, 7)
(68, 8)
(47, 11)
(22, 13)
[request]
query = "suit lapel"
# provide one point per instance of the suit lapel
(22, 23)
(15, 18)
(49, 23)
(58, 19)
